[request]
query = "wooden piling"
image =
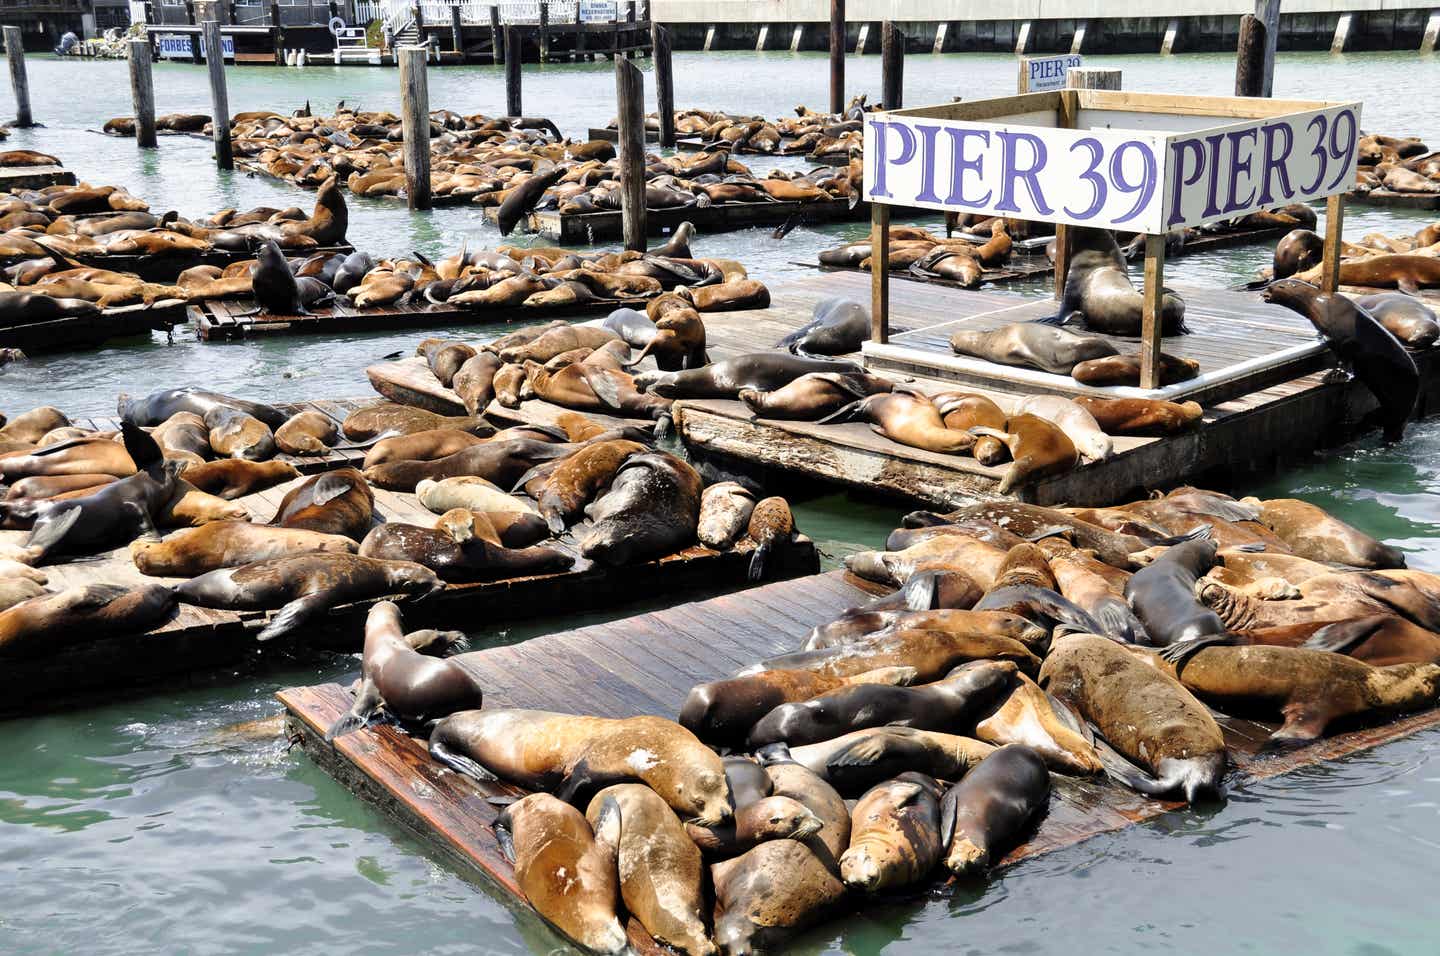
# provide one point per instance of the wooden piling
(1152, 319)
(664, 82)
(545, 32)
(219, 100)
(457, 33)
(279, 36)
(1268, 13)
(879, 276)
(15, 53)
(415, 125)
(497, 43)
(1250, 58)
(837, 56)
(512, 72)
(142, 92)
(1334, 229)
(892, 65)
(630, 97)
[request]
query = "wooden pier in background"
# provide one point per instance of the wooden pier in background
(646, 665)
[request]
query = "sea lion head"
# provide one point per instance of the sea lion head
(1292, 293)
(709, 796)
(776, 818)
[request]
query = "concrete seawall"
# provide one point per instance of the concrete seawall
(1045, 26)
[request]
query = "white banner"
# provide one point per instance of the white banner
(176, 46)
(1043, 74)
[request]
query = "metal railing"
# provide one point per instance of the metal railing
(397, 15)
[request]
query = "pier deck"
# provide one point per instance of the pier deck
(85, 331)
(646, 665)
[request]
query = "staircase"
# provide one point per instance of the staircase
(408, 35)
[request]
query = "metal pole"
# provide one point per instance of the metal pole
(142, 92)
(219, 101)
(630, 94)
(415, 125)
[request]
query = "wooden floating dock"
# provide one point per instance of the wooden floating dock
(646, 665)
(1017, 269)
(1388, 197)
(198, 639)
(589, 227)
(35, 177)
(165, 268)
(85, 331)
(258, 169)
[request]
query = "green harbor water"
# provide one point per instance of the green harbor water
(150, 824)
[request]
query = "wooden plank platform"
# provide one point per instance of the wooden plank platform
(646, 665)
(592, 227)
(1387, 197)
(1018, 268)
(167, 267)
(35, 177)
(78, 332)
(200, 639)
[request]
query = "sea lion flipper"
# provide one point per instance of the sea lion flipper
(294, 614)
(44, 536)
(1304, 722)
(573, 788)
(142, 449)
(601, 384)
(1067, 716)
(844, 414)
(757, 562)
(367, 699)
(328, 488)
(949, 807)
(1200, 533)
(460, 764)
(1122, 771)
(919, 591)
(607, 825)
(862, 753)
(1343, 637)
(503, 836)
(1181, 651)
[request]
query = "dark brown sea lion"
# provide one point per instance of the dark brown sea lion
(986, 813)
(233, 478)
(1147, 716)
(1311, 532)
(386, 419)
(1030, 345)
(967, 692)
(1405, 317)
(662, 875)
(445, 358)
(1038, 448)
(307, 433)
(931, 653)
(227, 544)
(508, 529)
(962, 411)
(156, 407)
(1098, 290)
(577, 480)
(566, 870)
(522, 198)
(274, 285)
(907, 418)
(499, 462)
(429, 445)
(1297, 251)
(410, 685)
(863, 623)
(1140, 416)
(650, 511)
(571, 754)
(44, 624)
(855, 762)
(1378, 358)
(1125, 370)
(895, 838)
(237, 434)
(725, 509)
(469, 558)
(1163, 597)
(723, 711)
(837, 326)
(337, 502)
(474, 381)
(763, 371)
(304, 586)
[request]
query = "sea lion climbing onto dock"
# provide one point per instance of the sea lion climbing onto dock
(1099, 293)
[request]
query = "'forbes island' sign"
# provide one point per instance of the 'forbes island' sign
(1133, 162)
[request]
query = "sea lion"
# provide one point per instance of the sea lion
(756, 820)
(873, 620)
(1125, 370)
(566, 870)
(1038, 448)
(44, 624)
(474, 381)
(895, 838)
(457, 554)
(410, 685)
(931, 653)
(554, 341)
(1405, 271)
(429, 445)
(725, 509)
(907, 418)
(232, 478)
(978, 559)
(1140, 416)
(337, 502)
(1147, 716)
(500, 462)
(837, 326)
(1098, 290)
(1094, 586)
(576, 481)
(591, 387)
(813, 396)
(1310, 689)
(276, 291)
(1078, 424)
(508, 529)
(86, 456)
(237, 434)
(1118, 550)
(156, 407)
(571, 754)
(1029, 345)
(857, 761)
(521, 199)
(662, 875)
(1297, 251)
(962, 411)
(762, 371)
(771, 526)
(386, 418)
(1163, 597)
(304, 586)
(1378, 358)
(956, 701)
(51, 486)
(183, 435)
(445, 357)
(1026, 717)
(31, 426)
(678, 342)
(227, 544)
(1311, 532)
(650, 511)
(470, 493)
(985, 813)
(1405, 317)
(307, 433)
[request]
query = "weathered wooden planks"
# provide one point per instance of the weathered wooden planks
(646, 665)
(78, 332)
(720, 217)
(1388, 197)
(35, 177)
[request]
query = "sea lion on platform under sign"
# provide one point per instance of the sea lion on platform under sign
(895, 838)
(228, 544)
(337, 502)
(838, 326)
(1099, 292)
(985, 813)
(763, 371)
(1029, 345)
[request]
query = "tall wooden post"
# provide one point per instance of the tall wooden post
(630, 94)
(415, 125)
(1151, 322)
(512, 72)
(1250, 58)
(545, 31)
(279, 35)
(837, 55)
(15, 53)
(219, 101)
(1334, 229)
(457, 32)
(664, 83)
(879, 272)
(497, 43)
(892, 65)
(142, 92)
(1268, 13)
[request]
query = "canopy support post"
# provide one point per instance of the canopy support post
(1153, 326)
(879, 272)
(1334, 227)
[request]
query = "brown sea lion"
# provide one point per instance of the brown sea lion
(228, 544)
(457, 554)
(577, 480)
(1038, 447)
(906, 418)
(49, 486)
(500, 462)
(1407, 272)
(87, 456)
(758, 820)
(15, 589)
(31, 426)
(1147, 716)
(1404, 316)
(593, 388)
(1297, 251)
(557, 340)
(237, 434)
(1125, 370)
(474, 381)
(445, 358)
(771, 527)
(304, 586)
(189, 507)
(979, 560)
(855, 762)
(1311, 532)
(409, 684)
(1099, 589)
(813, 396)
(895, 836)
(662, 876)
(566, 870)
(183, 435)
(307, 433)
(386, 419)
(337, 502)
(931, 653)
(863, 623)
(508, 529)
(962, 411)
(725, 509)
(1030, 345)
(429, 445)
(469, 492)
(571, 754)
(1140, 416)
(1078, 424)
(1026, 717)
(156, 407)
(233, 478)
(987, 812)
(44, 624)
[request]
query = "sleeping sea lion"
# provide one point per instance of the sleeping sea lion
(650, 511)
(723, 711)
(1125, 370)
(337, 502)
(985, 813)
(386, 419)
(307, 433)
(227, 544)
(1404, 316)
(895, 838)
(814, 395)
(838, 326)
(907, 418)
(725, 509)
(1073, 419)
(1140, 416)
(232, 478)
(1030, 345)
(156, 407)
(1038, 448)
(763, 371)
(237, 434)
(1311, 532)
(457, 554)
(44, 624)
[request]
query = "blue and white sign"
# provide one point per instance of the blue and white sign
(1136, 180)
(598, 11)
(1042, 74)
(176, 46)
